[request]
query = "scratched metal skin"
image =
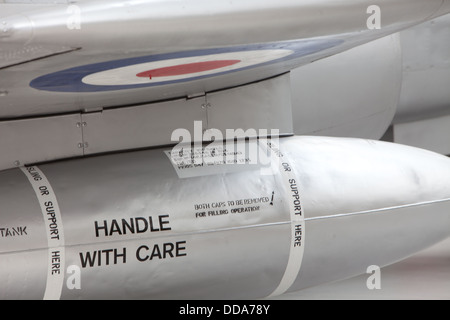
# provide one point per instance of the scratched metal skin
(364, 203)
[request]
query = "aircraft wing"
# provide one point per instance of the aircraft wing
(67, 57)
(92, 91)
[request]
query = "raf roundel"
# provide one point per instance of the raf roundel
(171, 68)
(184, 68)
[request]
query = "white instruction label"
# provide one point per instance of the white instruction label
(55, 233)
(217, 158)
(296, 215)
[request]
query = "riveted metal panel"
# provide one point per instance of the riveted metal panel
(254, 108)
(258, 106)
(141, 126)
(34, 140)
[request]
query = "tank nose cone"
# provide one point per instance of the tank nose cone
(368, 203)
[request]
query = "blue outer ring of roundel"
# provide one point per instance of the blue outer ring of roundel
(70, 80)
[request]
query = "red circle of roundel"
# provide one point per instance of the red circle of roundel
(188, 68)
